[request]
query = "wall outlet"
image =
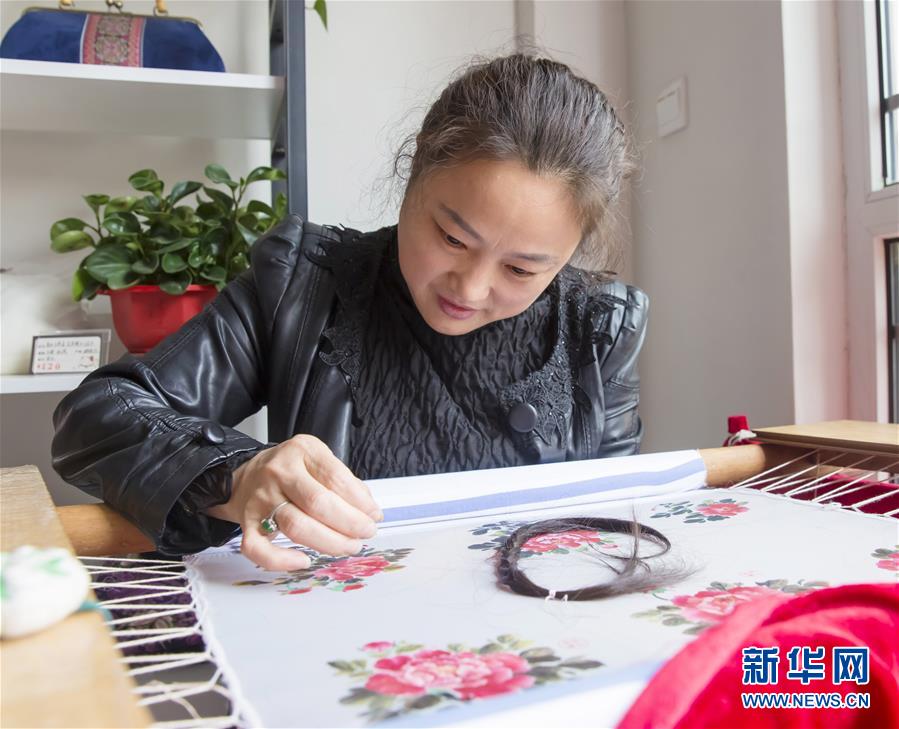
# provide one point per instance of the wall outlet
(671, 108)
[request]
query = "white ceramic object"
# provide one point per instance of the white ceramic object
(39, 587)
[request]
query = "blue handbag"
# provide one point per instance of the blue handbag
(110, 38)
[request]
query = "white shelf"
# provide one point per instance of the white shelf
(71, 97)
(18, 384)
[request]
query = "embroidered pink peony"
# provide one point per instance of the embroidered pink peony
(711, 606)
(468, 675)
(378, 645)
(571, 539)
(890, 563)
(350, 567)
(720, 509)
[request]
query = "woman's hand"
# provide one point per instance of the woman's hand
(329, 509)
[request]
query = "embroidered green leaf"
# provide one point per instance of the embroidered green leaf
(358, 695)
(538, 654)
(544, 672)
(697, 629)
(773, 584)
(648, 614)
(491, 648)
(342, 666)
(581, 665)
(408, 647)
(423, 702)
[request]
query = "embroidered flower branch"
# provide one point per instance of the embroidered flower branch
(714, 603)
(708, 510)
(397, 678)
(340, 574)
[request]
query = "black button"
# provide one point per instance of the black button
(213, 433)
(523, 417)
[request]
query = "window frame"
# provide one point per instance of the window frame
(888, 102)
(891, 255)
(871, 212)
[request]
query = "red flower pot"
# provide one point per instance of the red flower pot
(145, 315)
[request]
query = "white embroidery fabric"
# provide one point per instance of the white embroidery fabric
(424, 636)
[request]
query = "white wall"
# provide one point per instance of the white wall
(370, 79)
(711, 220)
(817, 212)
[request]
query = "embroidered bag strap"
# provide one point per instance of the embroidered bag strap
(158, 9)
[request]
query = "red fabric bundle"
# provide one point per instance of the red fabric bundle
(702, 685)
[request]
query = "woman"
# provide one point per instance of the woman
(459, 338)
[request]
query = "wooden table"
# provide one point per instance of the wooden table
(69, 674)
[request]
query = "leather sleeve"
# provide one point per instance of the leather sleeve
(623, 429)
(137, 432)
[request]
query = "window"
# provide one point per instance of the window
(893, 324)
(888, 60)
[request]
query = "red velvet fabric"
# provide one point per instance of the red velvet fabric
(701, 685)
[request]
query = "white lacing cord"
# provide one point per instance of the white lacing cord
(740, 436)
(158, 579)
(795, 483)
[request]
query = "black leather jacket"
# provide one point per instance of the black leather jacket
(140, 431)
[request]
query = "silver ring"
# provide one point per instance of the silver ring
(269, 525)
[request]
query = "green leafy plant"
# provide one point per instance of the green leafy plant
(321, 8)
(159, 240)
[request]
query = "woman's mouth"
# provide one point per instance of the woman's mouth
(454, 311)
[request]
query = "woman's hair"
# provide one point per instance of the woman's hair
(633, 574)
(537, 112)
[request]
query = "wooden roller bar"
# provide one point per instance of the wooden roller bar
(97, 531)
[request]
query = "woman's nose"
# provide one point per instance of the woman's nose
(472, 285)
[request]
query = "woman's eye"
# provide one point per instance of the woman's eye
(520, 272)
(452, 241)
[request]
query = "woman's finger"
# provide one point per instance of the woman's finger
(333, 474)
(259, 550)
(323, 505)
(303, 529)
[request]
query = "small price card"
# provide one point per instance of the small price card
(69, 352)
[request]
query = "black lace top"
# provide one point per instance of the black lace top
(425, 402)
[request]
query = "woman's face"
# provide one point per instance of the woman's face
(480, 242)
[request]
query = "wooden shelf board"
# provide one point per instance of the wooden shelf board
(842, 435)
(21, 384)
(44, 96)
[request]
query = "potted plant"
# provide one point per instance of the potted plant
(159, 259)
